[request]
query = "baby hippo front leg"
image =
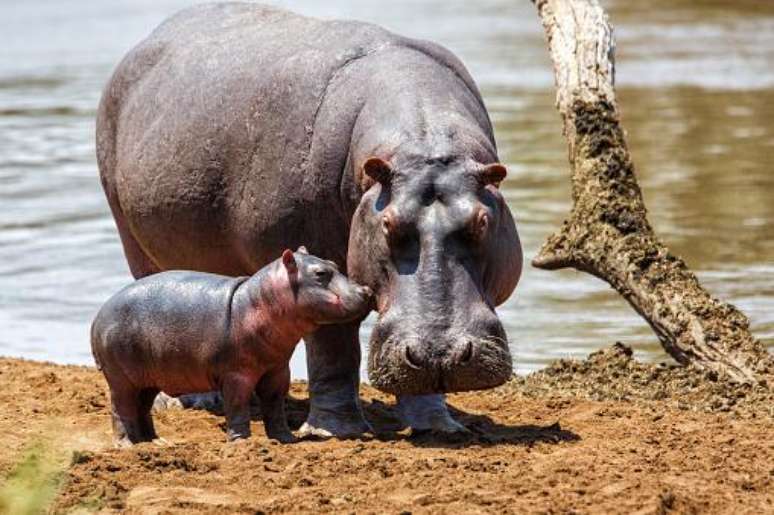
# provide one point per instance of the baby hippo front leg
(272, 390)
(237, 390)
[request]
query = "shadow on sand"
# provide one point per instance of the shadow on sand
(483, 430)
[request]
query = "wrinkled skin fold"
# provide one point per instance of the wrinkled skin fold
(237, 130)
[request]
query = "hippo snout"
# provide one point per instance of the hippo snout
(362, 296)
(416, 357)
(405, 364)
(356, 300)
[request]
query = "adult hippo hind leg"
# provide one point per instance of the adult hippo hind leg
(333, 361)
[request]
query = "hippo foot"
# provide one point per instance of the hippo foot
(164, 402)
(330, 422)
(307, 431)
(333, 427)
(236, 435)
(122, 443)
(210, 401)
(428, 413)
(282, 436)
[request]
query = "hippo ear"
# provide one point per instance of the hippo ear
(289, 260)
(378, 169)
(492, 174)
(302, 250)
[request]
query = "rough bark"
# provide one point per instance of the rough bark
(607, 233)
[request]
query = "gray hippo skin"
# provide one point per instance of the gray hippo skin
(183, 332)
(237, 130)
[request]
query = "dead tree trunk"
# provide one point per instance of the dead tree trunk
(607, 233)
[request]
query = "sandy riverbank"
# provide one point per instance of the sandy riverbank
(602, 435)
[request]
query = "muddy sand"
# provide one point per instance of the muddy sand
(602, 435)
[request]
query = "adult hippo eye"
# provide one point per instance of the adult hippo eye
(386, 225)
(480, 226)
(396, 233)
(402, 238)
(392, 230)
(482, 223)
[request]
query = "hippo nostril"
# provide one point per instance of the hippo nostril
(467, 353)
(411, 359)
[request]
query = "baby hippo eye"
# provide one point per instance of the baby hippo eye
(323, 275)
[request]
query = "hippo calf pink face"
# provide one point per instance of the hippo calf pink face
(322, 292)
(436, 242)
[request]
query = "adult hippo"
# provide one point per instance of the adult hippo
(237, 130)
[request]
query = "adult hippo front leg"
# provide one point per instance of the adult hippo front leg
(333, 362)
(427, 413)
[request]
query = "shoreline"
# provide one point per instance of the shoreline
(604, 434)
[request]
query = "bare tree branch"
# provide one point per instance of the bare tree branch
(607, 233)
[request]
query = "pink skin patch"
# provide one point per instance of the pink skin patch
(336, 300)
(276, 301)
(336, 303)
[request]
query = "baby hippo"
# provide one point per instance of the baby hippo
(188, 332)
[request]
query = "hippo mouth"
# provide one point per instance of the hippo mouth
(395, 366)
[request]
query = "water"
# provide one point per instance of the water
(696, 86)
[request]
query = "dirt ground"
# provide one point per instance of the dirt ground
(601, 435)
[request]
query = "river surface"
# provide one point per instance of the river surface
(696, 87)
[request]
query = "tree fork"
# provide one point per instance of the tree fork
(607, 233)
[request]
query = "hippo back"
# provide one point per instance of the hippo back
(209, 134)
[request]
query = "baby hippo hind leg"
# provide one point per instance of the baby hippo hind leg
(237, 390)
(128, 426)
(272, 390)
(145, 404)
